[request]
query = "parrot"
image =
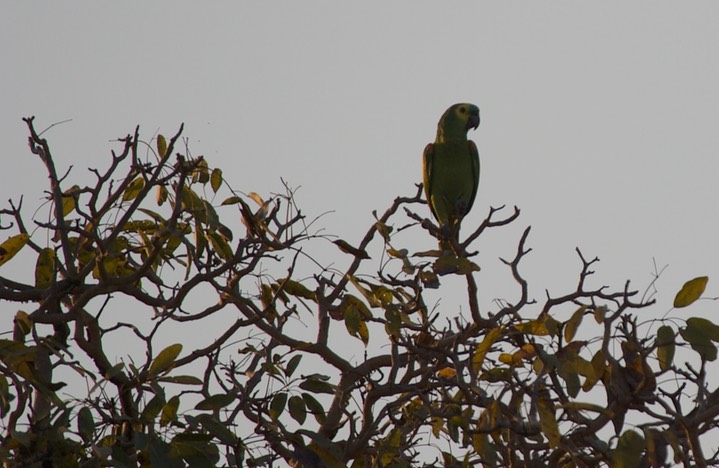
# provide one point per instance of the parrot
(450, 169)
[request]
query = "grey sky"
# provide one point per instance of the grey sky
(598, 119)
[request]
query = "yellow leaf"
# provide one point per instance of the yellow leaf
(446, 373)
(161, 145)
(134, 189)
(570, 328)
(12, 246)
(540, 327)
(162, 194)
(23, 323)
(548, 420)
(216, 179)
(165, 360)
(483, 348)
(691, 291)
(45, 268)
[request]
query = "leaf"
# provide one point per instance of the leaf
(548, 420)
(12, 246)
(181, 379)
(297, 289)
(217, 429)
(161, 145)
(540, 327)
(355, 314)
(347, 248)
(114, 370)
(169, 411)
(447, 264)
(220, 245)
(297, 408)
(317, 386)
(231, 201)
(628, 453)
(277, 405)
(152, 409)
(133, 189)
(691, 291)
(85, 424)
(446, 373)
(383, 230)
(699, 333)
(314, 407)
(161, 195)
(599, 313)
(215, 402)
(482, 349)
(165, 360)
(665, 346)
(570, 328)
(216, 179)
(23, 323)
(45, 268)
(429, 279)
(292, 365)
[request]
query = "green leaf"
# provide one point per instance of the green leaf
(447, 264)
(181, 379)
(317, 386)
(277, 405)
(315, 407)
(346, 247)
(691, 291)
(698, 334)
(220, 245)
(628, 453)
(165, 360)
(216, 179)
(134, 189)
(292, 365)
(169, 411)
(114, 370)
(548, 420)
(298, 411)
(152, 409)
(215, 402)
(665, 346)
(85, 424)
(297, 289)
(217, 429)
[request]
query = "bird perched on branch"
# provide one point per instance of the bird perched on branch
(451, 169)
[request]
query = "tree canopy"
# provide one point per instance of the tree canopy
(156, 331)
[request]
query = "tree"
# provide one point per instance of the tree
(145, 252)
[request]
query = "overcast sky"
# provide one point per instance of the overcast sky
(598, 119)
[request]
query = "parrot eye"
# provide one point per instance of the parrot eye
(462, 110)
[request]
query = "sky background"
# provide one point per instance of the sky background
(599, 121)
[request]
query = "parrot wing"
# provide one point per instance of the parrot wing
(474, 157)
(427, 161)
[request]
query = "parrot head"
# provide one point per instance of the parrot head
(456, 122)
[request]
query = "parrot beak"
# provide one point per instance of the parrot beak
(473, 121)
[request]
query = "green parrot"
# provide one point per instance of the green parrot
(451, 168)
